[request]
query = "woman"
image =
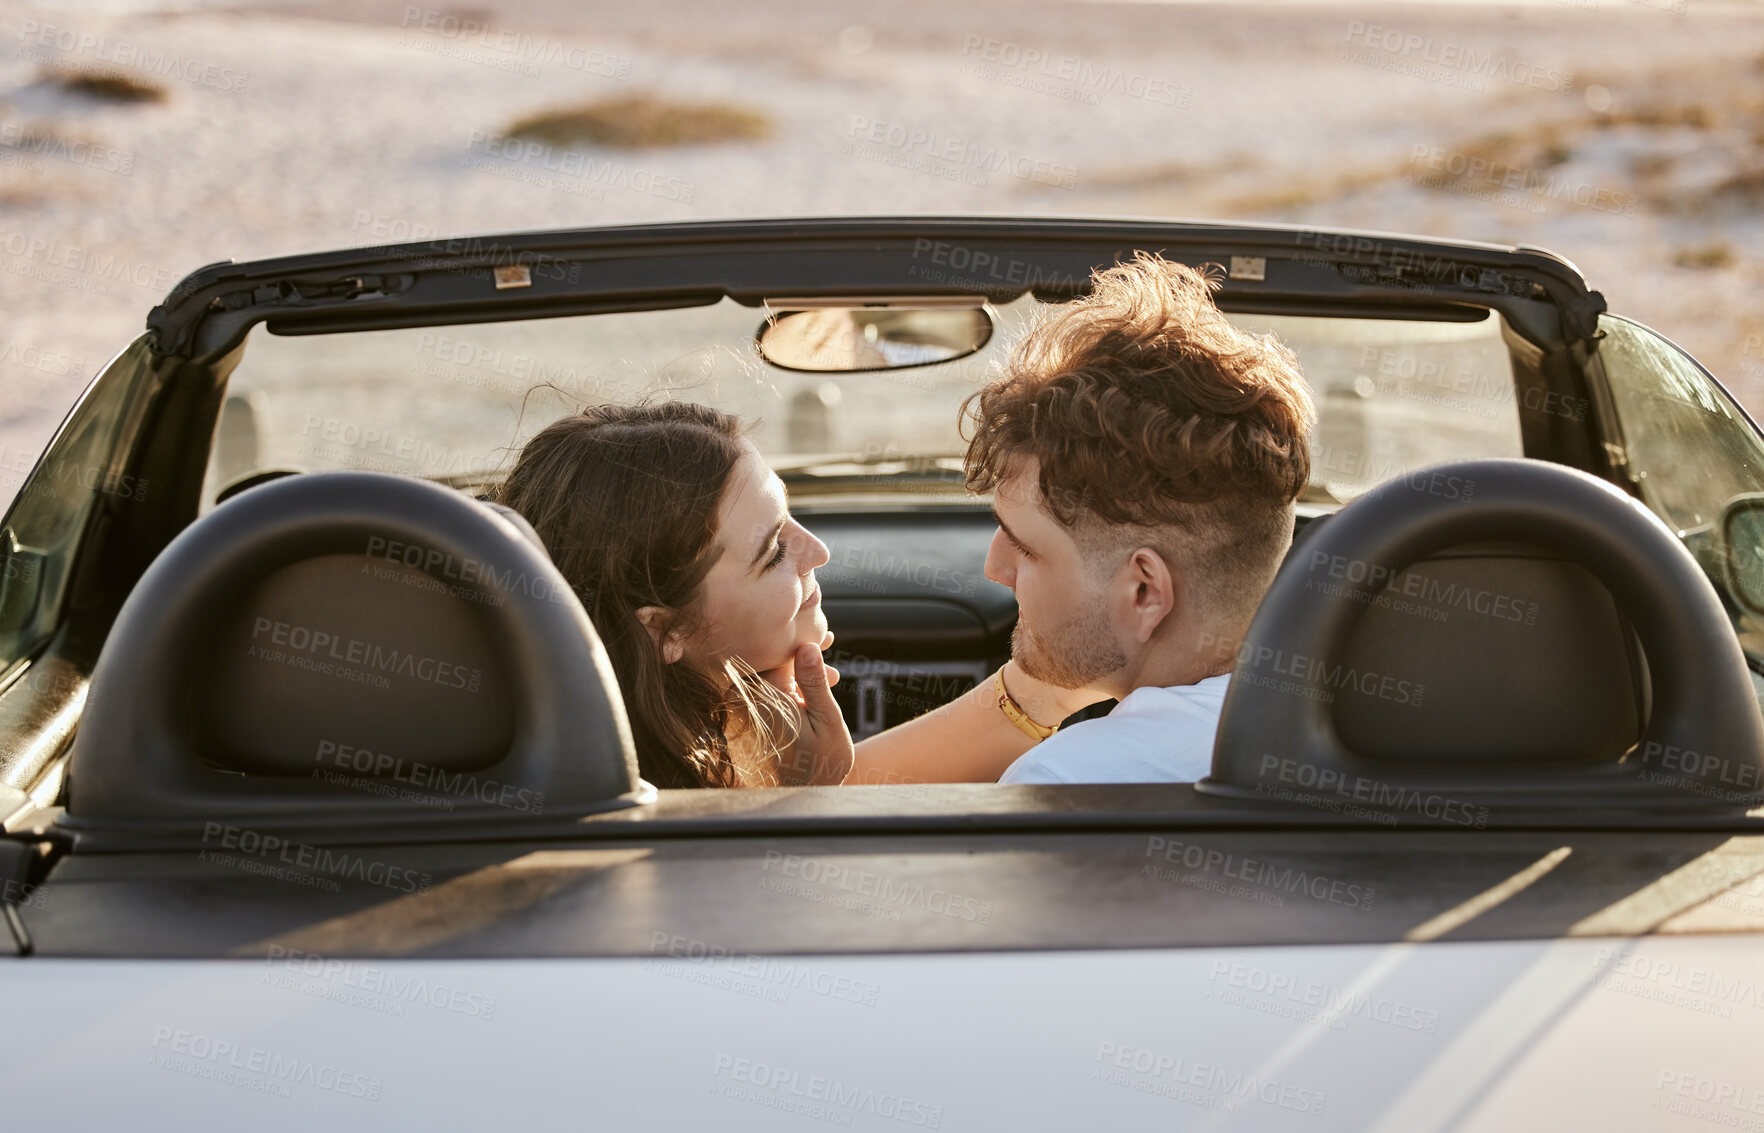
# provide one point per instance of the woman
(674, 533)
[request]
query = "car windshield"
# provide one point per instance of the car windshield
(456, 403)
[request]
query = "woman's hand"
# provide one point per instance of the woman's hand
(822, 754)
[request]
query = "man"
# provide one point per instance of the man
(1144, 455)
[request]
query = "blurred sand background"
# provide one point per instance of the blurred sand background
(1627, 136)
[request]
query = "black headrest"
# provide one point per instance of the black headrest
(330, 661)
(1496, 627)
(337, 645)
(1491, 652)
(1495, 648)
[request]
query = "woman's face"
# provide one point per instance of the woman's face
(760, 601)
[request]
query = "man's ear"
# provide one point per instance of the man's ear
(1156, 592)
(658, 620)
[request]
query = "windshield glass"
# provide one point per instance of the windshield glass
(1689, 448)
(456, 403)
(1690, 452)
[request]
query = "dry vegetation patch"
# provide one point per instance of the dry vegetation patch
(1718, 254)
(643, 121)
(102, 85)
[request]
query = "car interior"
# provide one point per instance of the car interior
(870, 451)
(1542, 626)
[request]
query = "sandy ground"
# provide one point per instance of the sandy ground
(1623, 135)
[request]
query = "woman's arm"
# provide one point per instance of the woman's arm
(968, 740)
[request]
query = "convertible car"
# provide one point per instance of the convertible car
(321, 810)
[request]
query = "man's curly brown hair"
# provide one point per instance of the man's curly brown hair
(1154, 419)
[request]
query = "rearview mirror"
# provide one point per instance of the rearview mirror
(851, 339)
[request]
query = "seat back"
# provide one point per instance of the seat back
(348, 648)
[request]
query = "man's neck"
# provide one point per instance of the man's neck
(1182, 659)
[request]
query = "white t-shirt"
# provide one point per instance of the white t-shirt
(1154, 735)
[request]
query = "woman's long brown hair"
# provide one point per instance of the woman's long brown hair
(625, 498)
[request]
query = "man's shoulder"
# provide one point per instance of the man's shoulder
(1163, 737)
(1203, 698)
(1054, 759)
